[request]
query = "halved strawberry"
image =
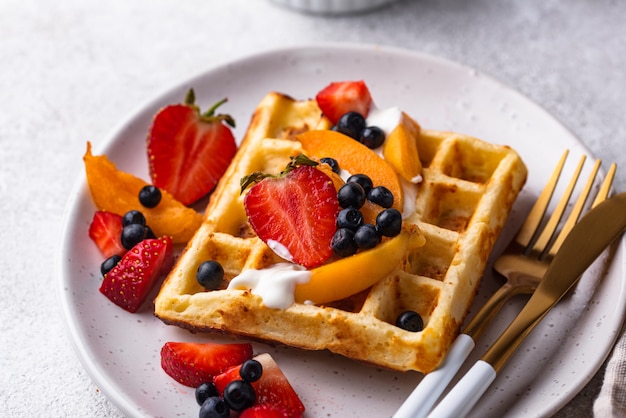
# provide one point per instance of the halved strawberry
(129, 282)
(272, 388)
(263, 411)
(188, 152)
(106, 231)
(297, 210)
(341, 97)
(192, 364)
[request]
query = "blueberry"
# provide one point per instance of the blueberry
(214, 407)
(108, 264)
(239, 395)
(410, 321)
(363, 180)
(351, 195)
(334, 165)
(149, 233)
(372, 137)
(351, 124)
(251, 370)
(132, 235)
(149, 196)
(366, 236)
(382, 196)
(204, 391)
(343, 243)
(210, 275)
(389, 222)
(133, 217)
(350, 218)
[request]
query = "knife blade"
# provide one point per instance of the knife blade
(590, 236)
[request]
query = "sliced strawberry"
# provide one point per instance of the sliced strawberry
(192, 364)
(188, 152)
(129, 282)
(298, 211)
(106, 231)
(264, 411)
(341, 97)
(272, 388)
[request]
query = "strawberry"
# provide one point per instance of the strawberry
(192, 364)
(263, 411)
(296, 209)
(339, 98)
(188, 152)
(272, 388)
(106, 231)
(129, 282)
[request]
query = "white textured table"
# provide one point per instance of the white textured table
(72, 70)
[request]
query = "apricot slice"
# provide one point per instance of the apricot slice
(400, 149)
(353, 157)
(351, 275)
(117, 191)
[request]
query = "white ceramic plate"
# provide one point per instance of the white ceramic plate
(121, 350)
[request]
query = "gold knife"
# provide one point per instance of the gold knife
(585, 242)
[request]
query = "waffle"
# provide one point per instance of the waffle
(463, 201)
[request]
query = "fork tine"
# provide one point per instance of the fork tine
(531, 224)
(603, 193)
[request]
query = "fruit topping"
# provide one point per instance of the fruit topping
(193, 364)
(410, 321)
(239, 395)
(366, 237)
(389, 222)
(350, 218)
(339, 98)
(149, 196)
(294, 212)
(204, 391)
(133, 217)
(129, 282)
(210, 275)
(351, 124)
(115, 191)
(400, 149)
(381, 195)
(351, 195)
(133, 234)
(343, 243)
(251, 370)
(105, 231)
(108, 264)
(372, 137)
(214, 407)
(334, 165)
(189, 151)
(264, 411)
(361, 179)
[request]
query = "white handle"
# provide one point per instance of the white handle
(421, 400)
(464, 395)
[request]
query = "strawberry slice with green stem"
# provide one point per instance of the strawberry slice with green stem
(192, 364)
(341, 97)
(295, 210)
(105, 231)
(188, 151)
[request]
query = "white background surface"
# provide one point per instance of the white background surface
(72, 71)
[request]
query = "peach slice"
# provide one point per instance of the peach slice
(116, 191)
(400, 149)
(353, 157)
(351, 275)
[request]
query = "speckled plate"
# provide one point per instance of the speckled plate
(121, 350)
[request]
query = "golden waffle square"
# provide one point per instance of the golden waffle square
(462, 203)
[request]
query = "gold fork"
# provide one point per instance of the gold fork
(525, 260)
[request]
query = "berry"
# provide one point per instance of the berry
(389, 222)
(343, 243)
(351, 195)
(210, 275)
(133, 217)
(214, 407)
(410, 321)
(239, 395)
(105, 231)
(132, 279)
(339, 98)
(204, 391)
(108, 264)
(366, 237)
(363, 180)
(149, 196)
(350, 218)
(351, 124)
(381, 196)
(264, 411)
(297, 210)
(189, 151)
(132, 235)
(192, 364)
(251, 370)
(334, 165)
(372, 137)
